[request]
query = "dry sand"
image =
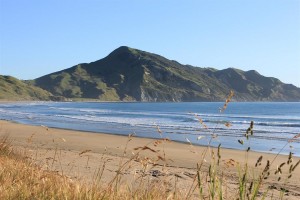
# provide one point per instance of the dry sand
(79, 155)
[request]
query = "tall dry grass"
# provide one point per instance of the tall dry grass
(22, 178)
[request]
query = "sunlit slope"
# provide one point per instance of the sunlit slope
(14, 89)
(129, 74)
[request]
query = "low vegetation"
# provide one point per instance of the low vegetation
(14, 89)
(128, 74)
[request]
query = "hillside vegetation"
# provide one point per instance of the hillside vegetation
(129, 74)
(14, 89)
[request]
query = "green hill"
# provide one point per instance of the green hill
(129, 74)
(14, 89)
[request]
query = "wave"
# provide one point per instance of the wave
(187, 116)
(136, 118)
(175, 122)
(229, 116)
(278, 124)
(20, 113)
(118, 120)
(168, 124)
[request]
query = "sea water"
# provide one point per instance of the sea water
(274, 123)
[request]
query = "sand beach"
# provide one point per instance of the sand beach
(78, 155)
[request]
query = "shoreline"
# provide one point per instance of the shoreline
(14, 127)
(96, 101)
(124, 135)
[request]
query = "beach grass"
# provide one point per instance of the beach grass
(21, 178)
(144, 172)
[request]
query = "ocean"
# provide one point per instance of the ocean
(274, 123)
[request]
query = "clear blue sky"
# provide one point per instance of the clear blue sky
(40, 37)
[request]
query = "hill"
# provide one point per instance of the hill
(14, 89)
(128, 74)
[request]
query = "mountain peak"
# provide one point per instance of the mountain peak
(124, 49)
(129, 74)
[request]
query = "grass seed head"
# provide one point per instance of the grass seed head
(85, 151)
(241, 142)
(290, 159)
(258, 161)
(231, 94)
(296, 165)
(294, 138)
(282, 164)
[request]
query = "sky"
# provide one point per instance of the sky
(40, 37)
